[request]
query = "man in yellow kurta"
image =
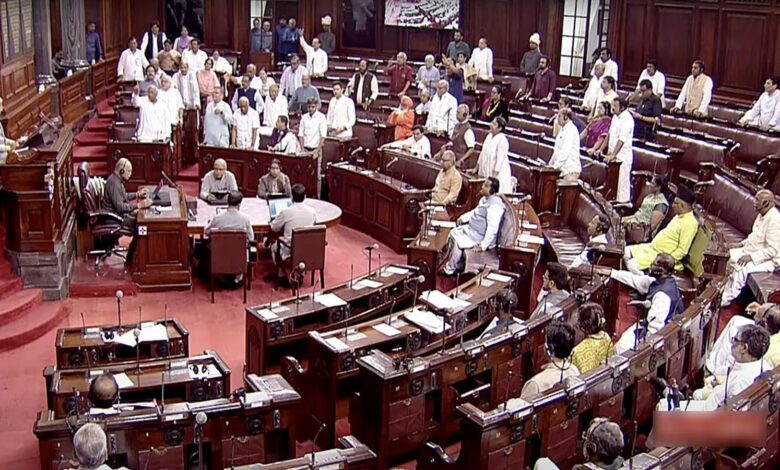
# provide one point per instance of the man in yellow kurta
(675, 239)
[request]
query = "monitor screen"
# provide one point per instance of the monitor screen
(435, 14)
(276, 206)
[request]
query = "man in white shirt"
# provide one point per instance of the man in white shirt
(154, 40)
(363, 87)
(194, 56)
(657, 78)
(341, 113)
(696, 94)
(216, 121)
(221, 64)
(313, 129)
(597, 236)
(482, 60)
(428, 76)
(292, 76)
(218, 180)
(610, 66)
(172, 99)
(187, 83)
(566, 156)
(153, 117)
(592, 93)
(494, 158)
(418, 144)
(759, 252)
(316, 57)
(132, 63)
(275, 106)
(288, 144)
(262, 82)
(442, 114)
(765, 113)
(246, 122)
(621, 146)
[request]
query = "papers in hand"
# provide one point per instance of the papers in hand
(441, 301)
(329, 300)
(428, 321)
(444, 223)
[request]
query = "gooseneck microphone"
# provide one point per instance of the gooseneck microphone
(119, 294)
(200, 420)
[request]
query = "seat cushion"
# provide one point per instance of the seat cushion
(565, 243)
(729, 232)
(765, 286)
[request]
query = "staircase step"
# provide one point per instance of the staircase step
(90, 153)
(37, 323)
(92, 138)
(96, 168)
(9, 284)
(18, 304)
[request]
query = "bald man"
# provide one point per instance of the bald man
(219, 180)
(103, 391)
(759, 252)
(117, 200)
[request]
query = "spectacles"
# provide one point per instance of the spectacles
(736, 340)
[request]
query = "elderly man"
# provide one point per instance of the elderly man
(594, 90)
(292, 76)
(262, 82)
(91, 447)
(559, 343)
(169, 58)
(316, 57)
(154, 117)
(759, 252)
(448, 182)
(275, 106)
(117, 200)
(555, 289)
(493, 160)
(610, 66)
(217, 182)
(363, 87)
(477, 229)
(401, 75)
(530, 61)
(566, 155)
(246, 123)
(341, 113)
(295, 216)
(286, 143)
(221, 64)
(172, 99)
(216, 121)
(442, 114)
(464, 141)
(187, 83)
(482, 60)
(424, 106)
(103, 392)
(765, 113)
(261, 39)
(132, 63)
(696, 94)
(246, 91)
(301, 96)
(428, 75)
(274, 182)
(603, 445)
(418, 144)
(195, 57)
(675, 239)
(149, 80)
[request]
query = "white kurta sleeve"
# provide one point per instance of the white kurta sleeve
(636, 281)
(707, 96)
(494, 215)
(769, 250)
(680, 103)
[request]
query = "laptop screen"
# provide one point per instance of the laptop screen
(276, 206)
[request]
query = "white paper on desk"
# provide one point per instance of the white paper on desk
(396, 270)
(366, 283)
(357, 336)
(444, 223)
(94, 331)
(529, 225)
(95, 372)
(103, 411)
(329, 300)
(157, 332)
(147, 324)
(427, 320)
(528, 238)
(267, 314)
(441, 301)
(386, 329)
(126, 339)
(439, 209)
(123, 381)
(163, 208)
(499, 277)
(337, 344)
(279, 308)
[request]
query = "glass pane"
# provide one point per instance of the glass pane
(568, 7)
(359, 29)
(565, 68)
(566, 43)
(568, 25)
(579, 47)
(582, 7)
(581, 25)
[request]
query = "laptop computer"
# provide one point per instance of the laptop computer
(276, 206)
(161, 198)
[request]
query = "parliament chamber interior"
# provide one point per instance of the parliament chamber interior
(372, 234)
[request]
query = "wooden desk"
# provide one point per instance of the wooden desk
(77, 348)
(256, 427)
(250, 165)
(284, 328)
(351, 455)
(162, 255)
(149, 159)
(380, 206)
(181, 384)
(332, 370)
(73, 104)
(259, 215)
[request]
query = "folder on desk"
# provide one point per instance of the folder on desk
(428, 321)
(441, 301)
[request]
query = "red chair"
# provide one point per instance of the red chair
(229, 256)
(307, 246)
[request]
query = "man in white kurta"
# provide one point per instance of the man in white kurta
(132, 63)
(187, 83)
(153, 117)
(566, 155)
(442, 115)
(482, 60)
(292, 77)
(217, 120)
(418, 144)
(221, 64)
(275, 106)
(720, 359)
(594, 91)
(316, 57)
(759, 252)
(246, 122)
(195, 57)
(621, 146)
(494, 157)
(610, 66)
(313, 128)
(262, 82)
(655, 76)
(765, 113)
(172, 99)
(341, 113)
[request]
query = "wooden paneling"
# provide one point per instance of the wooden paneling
(73, 92)
(739, 49)
(219, 24)
(669, 22)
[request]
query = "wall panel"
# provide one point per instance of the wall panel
(741, 63)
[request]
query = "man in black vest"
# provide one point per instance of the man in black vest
(153, 41)
(363, 87)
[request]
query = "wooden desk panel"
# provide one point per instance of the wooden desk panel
(149, 160)
(73, 97)
(352, 455)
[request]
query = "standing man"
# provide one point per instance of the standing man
(544, 82)
(428, 76)
(289, 41)
(256, 37)
(195, 57)
(274, 182)
(153, 40)
(759, 252)
(610, 66)
(657, 78)
(215, 124)
(341, 113)
(302, 95)
(313, 129)
(621, 146)
(458, 45)
(292, 77)
(172, 99)
(169, 58)
(154, 122)
(245, 91)
(765, 113)
(187, 84)
(464, 141)
(493, 160)
(448, 182)
(94, 51)
(594, 90)
(218, 180)
(443, 110)
(530, 62)
(482, 60)
(696, 94)
(281, 33)
(275, 106)
(132, 63)
(149, 80)
(566, 156)
(401, 75)
(117, 200)
(326, 37)
(246, 123)
(363, 87)
(648, 113)
(316, 57)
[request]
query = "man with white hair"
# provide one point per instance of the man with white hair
(91, 447)
(316, 57)
(302, 95)
(442, 115)
(292, 76)
(216, 121)
(428, 75)
(187, 83)
(275, 106)
(154, 121)
(401, 75)
(172, 99)
(221, 64)
(246, 124)
(220, 180)
(482, 60)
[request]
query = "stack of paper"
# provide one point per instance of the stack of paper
(441, 301)
(528, 238)
(396, 270)
(363, 283)
(329, 300)
(386, 329)
(337, 344)
(499, 277)
(443, 223)
(149, 333)
(429, 321)
(267, 314)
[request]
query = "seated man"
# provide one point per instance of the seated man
(448, 182)
(478, 228)
(91, 447)
(720, 359)
(418, 144)
(232, 218)
(218, 180)
(506, 302)
(297, 215)
(597, 345)
(662, 299)
(674, 240)
(765, 113)
(759, 252)
(274, 182)
(286, 140)
(560, 342)
(117, 200)
(603, 445)
(103, 392)
(748, 347)
(555, 289)
(598, 229)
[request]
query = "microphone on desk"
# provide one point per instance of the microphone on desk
(200, 420)
(391, 163)
(314, 441)
(359, 149)
(370, 249)
(419, 280)
(167, 179)
(119, 295)
(83, 325)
